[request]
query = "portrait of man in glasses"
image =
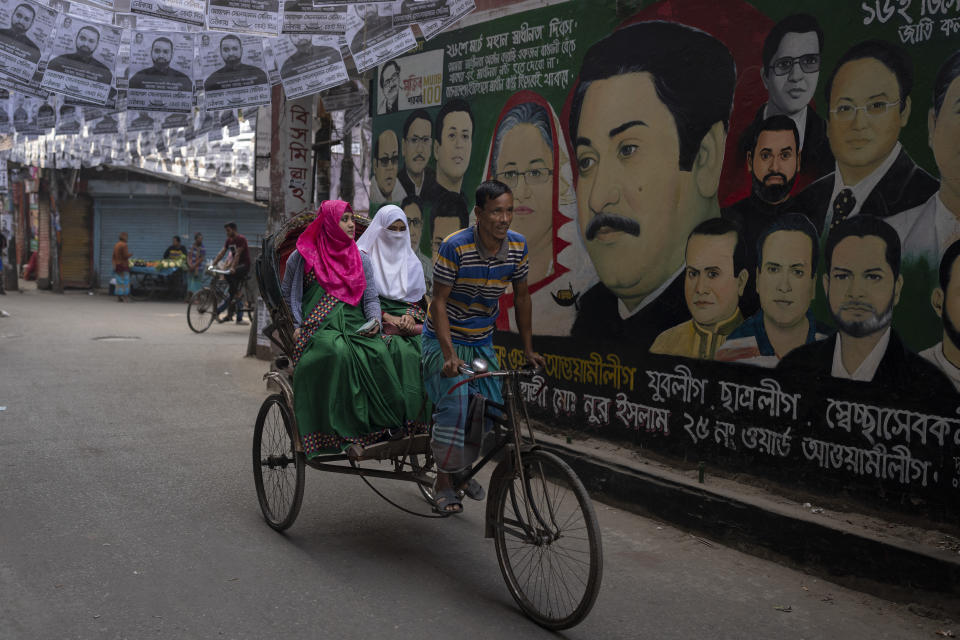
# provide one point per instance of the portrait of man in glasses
(416, 177)
(389, 88)
(386, 158)
(649, 136)
(868, 95)
(791, 69)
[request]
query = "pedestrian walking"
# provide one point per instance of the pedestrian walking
(121, 268)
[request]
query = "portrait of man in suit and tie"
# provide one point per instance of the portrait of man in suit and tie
(649, 137)
(863, 283)
(945, 355)
(869, 99)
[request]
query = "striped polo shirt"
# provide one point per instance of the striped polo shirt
(478, 279)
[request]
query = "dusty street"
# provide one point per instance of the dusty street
(128, 510)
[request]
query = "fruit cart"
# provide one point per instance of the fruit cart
(152, 278)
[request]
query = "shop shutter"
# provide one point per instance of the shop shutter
(208, 215)
(76, 259)
(150, 223)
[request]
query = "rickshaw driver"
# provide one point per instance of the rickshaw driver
(472, 270)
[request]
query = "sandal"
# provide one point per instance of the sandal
(473, 490)
(447, 502)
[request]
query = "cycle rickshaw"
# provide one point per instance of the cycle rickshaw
(538, 512)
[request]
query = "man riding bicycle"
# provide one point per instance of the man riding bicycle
(239, 269)
(472, 270)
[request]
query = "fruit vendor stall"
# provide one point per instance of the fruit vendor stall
(165, 278)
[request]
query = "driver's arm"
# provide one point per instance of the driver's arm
(441, 326)
(523, 308)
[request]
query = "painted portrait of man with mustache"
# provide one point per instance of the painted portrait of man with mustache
(648, 134)
(416, 176)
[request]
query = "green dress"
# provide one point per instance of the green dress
(405, 353)
(345, 386)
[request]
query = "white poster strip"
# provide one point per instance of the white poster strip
(302, 16)
(408, 12)
(458, 10)
(309, 64)
(82, 58)
(161, 67)
(244, 16)
(28, 26)
(82, 10)
(190, 12)
(372, 37)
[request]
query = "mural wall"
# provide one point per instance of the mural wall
(743, 223)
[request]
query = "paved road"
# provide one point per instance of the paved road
(127, 510)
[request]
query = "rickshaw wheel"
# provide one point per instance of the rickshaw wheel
(278, 470)
(550, 553)
(201, 310)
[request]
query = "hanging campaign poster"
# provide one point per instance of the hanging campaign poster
(24, 113)
(81, 10)
(309, 64)
(458, 10)
(26, 34)
(244, 16)
(302, 16)
(344, 96)
(407, 12)
(412, 82)
(270, 62)
(108, 124)
(161, 69)
(82, 58)
(5, 125)
(232, 67)
(69, 118)
(372, 37)
(46, 114)
(138, 121)
(189, 12)
(175, 121)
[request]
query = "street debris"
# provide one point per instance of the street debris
(816, 510)
(784, 608)
(946, 633)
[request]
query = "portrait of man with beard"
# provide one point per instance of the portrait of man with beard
(773, 161)
(863, 283)
(161, 76)
(15, 36)
(81, 62)
(234, 73)
(945, 355)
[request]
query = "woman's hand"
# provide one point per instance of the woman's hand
(374, 330)
(296, 334)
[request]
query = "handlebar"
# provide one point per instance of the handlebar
(222, 272)
(525, 370)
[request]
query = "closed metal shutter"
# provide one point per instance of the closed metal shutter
(150, 223)
(76, 259)
(208, 215)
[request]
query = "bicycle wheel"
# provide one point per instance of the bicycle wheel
(549, 548)
(202, 310)
(278, 470)
(422, 464)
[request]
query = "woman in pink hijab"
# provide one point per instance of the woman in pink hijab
(346, 389)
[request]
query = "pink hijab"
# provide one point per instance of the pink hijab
(332, 254)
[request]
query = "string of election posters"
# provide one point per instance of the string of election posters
(175, 86)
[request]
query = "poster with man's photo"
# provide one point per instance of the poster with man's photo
(408, 12)
(244, 16)
(189, 12)
(372, 38)
(302, 16)
(161, 72)
(309, 64)
(82, 58)
(459, 9)
(233, 71)
(412, 82)
(23, 113)
(138, 121)
(69, 118)
(25, 29)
